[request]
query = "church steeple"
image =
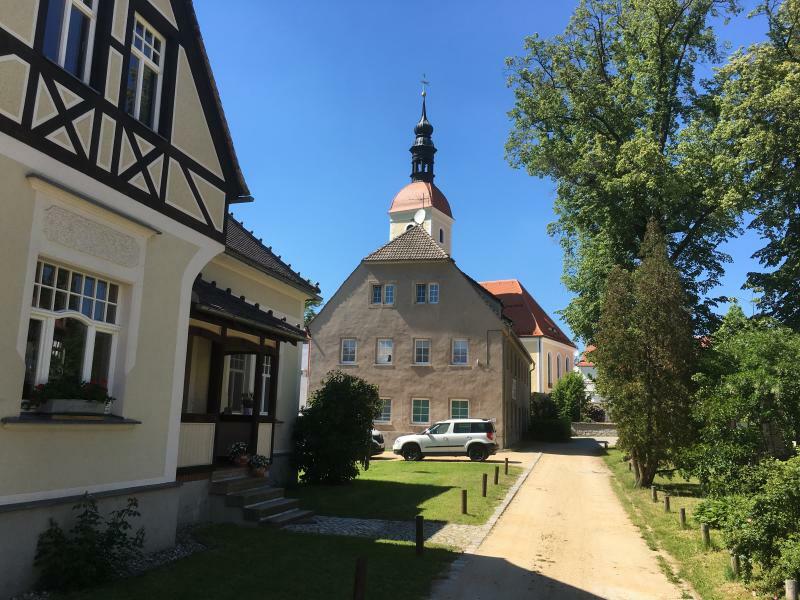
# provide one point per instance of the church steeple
(423, 149)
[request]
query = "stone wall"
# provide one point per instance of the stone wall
(594, 429)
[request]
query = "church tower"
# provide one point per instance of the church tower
(421, 201)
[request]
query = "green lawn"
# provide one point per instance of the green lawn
(706, 570)
(400, 490)
(257, 563)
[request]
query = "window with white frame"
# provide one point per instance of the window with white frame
(388, 294)
(384, 351)
(143, 89)
(558, 367)
(377, 294)
(460, 352)
(422, 293)
(69, 35)
(422, 351)
(433, 293)
(385, 415)
(349, 349)
(459, 409)
(241, 369)
(73, 328)
(420, 411)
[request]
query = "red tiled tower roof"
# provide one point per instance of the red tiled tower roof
(528, 317)
(420, 194)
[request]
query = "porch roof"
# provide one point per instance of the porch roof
(209, 300)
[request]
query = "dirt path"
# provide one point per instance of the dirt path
(564, 536)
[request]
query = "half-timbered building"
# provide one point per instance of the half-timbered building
(123, 267)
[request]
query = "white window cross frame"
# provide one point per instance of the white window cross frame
(156, 67)
(91, 14)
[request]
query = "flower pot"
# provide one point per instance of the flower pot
(259, 472)
(247, 411)
(72, 407)
(241, 460)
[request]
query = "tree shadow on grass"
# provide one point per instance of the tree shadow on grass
(243, 563)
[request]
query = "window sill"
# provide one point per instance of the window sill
(460, 366)
(384, 365)
(421, 365)
(348, 364)
(38, 419)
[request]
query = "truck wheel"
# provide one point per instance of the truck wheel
(412, 452)
(477, 453)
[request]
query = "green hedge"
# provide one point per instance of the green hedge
(550, 430)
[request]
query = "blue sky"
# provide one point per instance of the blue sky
(321, 98)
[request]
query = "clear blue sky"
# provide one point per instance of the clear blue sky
(321, 98)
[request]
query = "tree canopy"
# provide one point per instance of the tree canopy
(611, 111)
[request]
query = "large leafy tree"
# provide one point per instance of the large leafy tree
(759, 128)
(645, 355)
(747, 404)
(611, 111)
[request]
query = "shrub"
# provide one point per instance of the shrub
(719, 513)
(594, 413)
(550, 430)
(569, 396)
(92, 551)
(542, 406)
(332, 435)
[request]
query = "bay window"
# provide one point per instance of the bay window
(73, 329)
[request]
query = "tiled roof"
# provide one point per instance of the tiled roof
(528, 317)
(412, 244)
(584, 361)
(243, 245)
(207, 298)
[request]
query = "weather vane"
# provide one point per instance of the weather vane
(424, 82)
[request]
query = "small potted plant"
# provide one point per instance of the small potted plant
(258, 465)
(247, 403)
(238, 454)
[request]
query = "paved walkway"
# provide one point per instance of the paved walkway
(564, 536)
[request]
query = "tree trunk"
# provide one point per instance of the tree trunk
(647, 471)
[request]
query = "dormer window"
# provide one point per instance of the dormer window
(143, 93)
(69, 35)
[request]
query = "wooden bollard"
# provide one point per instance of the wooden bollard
(790, 587)
(735, 565)
(683, 518)
(605, 444)
(496, 475)
(666, 503)
(463, 502)
(360, 585)
(506, 466)
(484, 480)
(654, 493)
(420, 534)
(630, 466)
(706, 533)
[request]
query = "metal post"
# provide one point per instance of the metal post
(506, 466)
(706, 533)
(463, 502)
(654, 493)
(496, 475)
(791, 589)
(420, 535)
(484, 479)
(360, 585)
(666, 502)
(683, 518)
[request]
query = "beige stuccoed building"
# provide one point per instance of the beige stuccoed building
(123, 266)
(433, 340)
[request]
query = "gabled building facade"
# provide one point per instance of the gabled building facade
(409, 320)
(120, 255)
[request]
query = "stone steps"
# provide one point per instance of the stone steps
(239, 483)
(255, 512)
(253, 496)
(293, 515)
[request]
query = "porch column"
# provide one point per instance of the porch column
(257, 400)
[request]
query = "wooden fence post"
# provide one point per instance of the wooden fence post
(791, 589)
(630, 466)
(463, 502)
(360, 585)
(666, 503)
(654, 493)
(496, 475)
(735, 565)
(704, 530)
(506, 466)
(484, 479)
(683, 518)
(420, 534)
